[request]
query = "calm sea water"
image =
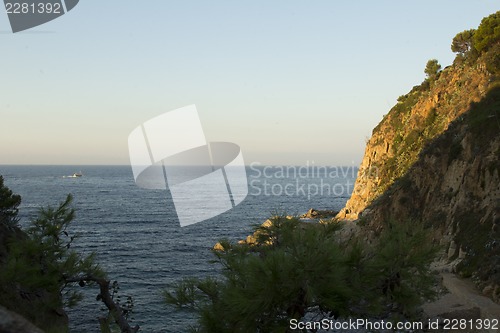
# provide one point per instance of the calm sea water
(136, 233)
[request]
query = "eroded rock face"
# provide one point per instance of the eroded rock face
(435, 159)
(420, 116)
(454, 187)
(11, 322)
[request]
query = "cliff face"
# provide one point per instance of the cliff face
(11, 322)
(418, 117)
(435, 159)
(454, 187)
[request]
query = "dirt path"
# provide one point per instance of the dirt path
(462, 302)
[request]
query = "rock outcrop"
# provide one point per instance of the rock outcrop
(435, 159)
(419, 117)
(11, 322)
(318, 214)
(454, 187)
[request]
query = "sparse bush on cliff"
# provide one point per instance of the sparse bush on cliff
(492, 59)
(470, 44)
(432, 69)
(488, 32)
(425, 112)
(295, 268)
(462, 43)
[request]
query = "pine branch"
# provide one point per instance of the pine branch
(105, 296)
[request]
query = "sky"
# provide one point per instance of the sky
(290, 82)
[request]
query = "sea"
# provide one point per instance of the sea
(137, 237)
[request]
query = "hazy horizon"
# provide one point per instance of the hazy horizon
(289, 82)
(246, 165)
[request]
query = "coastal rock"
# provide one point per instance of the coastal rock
(218, 247)
(436, 162)
(250, 239)
(318, 214)
(414, 121)
(11, 322)
(453, 187)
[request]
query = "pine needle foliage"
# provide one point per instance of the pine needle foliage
(9, 204)
(44, 260)
(401, 265)
(294, 268)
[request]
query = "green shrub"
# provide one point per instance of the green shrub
(432, 69)
(492, 59)
(463, 42)
(294, 268)
(9, 204)
(488, 32)
(402, 256)
(38, 264)
(431, 117)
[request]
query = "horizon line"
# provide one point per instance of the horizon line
(124, 165)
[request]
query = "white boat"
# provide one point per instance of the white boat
(75, 175)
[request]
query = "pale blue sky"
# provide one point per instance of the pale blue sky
(289, 81)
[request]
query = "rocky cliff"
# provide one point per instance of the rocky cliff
(454, 187)
(11, 322)
(419, 117)
(435, 159)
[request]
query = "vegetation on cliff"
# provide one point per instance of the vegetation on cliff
(435, 159)
(459, 198)
(425, 112)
